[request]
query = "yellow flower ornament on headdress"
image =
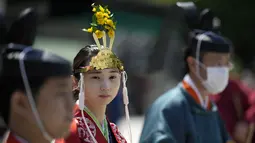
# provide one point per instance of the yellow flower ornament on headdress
(103, 24)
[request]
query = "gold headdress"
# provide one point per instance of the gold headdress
(102, 23)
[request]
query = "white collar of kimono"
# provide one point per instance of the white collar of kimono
(77, 103)
(204, 103)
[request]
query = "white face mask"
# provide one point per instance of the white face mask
(217, 79)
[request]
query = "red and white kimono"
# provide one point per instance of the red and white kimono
(79, 133)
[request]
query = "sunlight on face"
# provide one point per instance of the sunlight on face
(212, 59)
(101, 86)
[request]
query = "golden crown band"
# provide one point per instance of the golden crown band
(105, 59)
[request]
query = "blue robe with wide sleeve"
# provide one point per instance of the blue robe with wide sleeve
(175, 117)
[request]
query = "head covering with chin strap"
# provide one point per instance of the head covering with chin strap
(208, 41)
(25, 68)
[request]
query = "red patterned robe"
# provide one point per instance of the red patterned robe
(79, 133)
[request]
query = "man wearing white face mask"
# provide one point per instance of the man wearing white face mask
(185, 114)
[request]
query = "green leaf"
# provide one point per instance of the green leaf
(112, 15)
(94, 19)
(97, 8)
(93, 24)
(94, 29)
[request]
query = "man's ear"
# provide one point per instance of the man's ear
(20, 104)
(191, 63)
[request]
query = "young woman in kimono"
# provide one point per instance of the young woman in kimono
(35, 103)
(98, 74)
(184, 114)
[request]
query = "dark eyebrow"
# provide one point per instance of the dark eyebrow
(94, 72)
(114, 71)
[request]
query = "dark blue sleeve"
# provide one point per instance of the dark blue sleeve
(165, 122)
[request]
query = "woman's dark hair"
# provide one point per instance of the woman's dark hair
(82, 58)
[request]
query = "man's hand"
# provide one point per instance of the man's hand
(241, 131)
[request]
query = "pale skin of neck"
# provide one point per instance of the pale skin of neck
(98, 111)
(199, 86)
(25, 130)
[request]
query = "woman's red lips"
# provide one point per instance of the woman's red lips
(104, 96)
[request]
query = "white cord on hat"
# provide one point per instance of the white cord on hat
(201, 37)
(29, 94)
(82, 105)
(126, 102)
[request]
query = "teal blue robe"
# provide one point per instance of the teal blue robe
(175, 117)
